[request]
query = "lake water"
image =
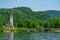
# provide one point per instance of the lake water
(30, 36)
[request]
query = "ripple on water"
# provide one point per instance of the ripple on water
(30, 36)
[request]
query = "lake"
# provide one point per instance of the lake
(30, 36)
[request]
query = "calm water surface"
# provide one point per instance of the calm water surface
(30, 36)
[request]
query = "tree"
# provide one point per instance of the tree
(35, 25)
(20, 24)
(28, 23)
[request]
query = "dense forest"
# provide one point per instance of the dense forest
(25, 17)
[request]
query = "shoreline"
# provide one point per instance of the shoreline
(27, 30)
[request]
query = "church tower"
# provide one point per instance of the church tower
(11, 21)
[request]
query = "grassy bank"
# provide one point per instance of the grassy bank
(17, 30)
(25, 30)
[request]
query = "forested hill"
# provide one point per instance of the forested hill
(26, 17)
(54, 13)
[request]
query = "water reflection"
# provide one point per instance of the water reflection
(30, 36)
(7, 36)
(12, 36)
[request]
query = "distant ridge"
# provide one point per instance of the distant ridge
(55, 13)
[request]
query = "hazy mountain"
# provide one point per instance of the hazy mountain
(54, 13)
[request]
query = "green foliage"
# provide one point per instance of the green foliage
(20, 23)
(24, 17)
(35, 24)
(52, 23)
(28, 23)
(1, 29)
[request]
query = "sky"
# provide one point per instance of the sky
(35, 5)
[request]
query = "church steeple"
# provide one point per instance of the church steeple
(11, 20)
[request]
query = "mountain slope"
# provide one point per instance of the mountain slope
(25, 13)
(54, 13)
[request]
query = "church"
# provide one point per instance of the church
(10, 24)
